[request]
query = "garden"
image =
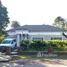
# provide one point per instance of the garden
(57, 45)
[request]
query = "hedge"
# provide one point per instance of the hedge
(42, 45)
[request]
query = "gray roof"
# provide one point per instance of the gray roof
(38, 28)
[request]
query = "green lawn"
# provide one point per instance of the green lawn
(35, 57)
(47, 57)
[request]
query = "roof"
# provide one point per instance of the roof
(38, 28)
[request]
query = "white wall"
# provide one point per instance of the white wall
(45, 35)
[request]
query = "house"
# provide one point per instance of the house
(36, 32)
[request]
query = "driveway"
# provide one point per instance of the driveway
(36, 63)
(20, 65)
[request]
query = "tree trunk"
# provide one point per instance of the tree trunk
(64, 35)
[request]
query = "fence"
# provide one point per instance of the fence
(47, 50)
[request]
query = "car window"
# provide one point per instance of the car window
(7, 42)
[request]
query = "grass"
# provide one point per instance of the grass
(33, 57)
(47, 57)
(36, 57)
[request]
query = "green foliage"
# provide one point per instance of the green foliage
(60, 22)
(37, 45)
(42, 45)
(1, 37)
(25, 44)
(15, 24)
(4, 20)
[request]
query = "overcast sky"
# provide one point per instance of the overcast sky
(35, 11)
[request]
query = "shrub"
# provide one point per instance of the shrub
(38, 45)
(25, 44)
(41, 45)
(1, 37)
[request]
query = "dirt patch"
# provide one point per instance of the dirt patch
(47, 62)
(26, 62)
(54, 62)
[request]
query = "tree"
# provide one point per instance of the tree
(4, 20)
(15, 24)
(60, 22)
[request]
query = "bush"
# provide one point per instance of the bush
(41, 45)
(25, 44)
(38, 45)
(1, 37)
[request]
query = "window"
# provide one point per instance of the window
(7, 42)
(37, 38)
(25, 36)
(56, 38)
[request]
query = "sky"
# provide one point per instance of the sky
(35, 12)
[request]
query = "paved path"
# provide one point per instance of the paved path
(18, 65)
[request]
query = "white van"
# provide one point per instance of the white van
(8, 43)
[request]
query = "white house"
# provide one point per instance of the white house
(36, 32)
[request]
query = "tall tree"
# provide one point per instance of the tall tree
(4, 20)
(60, 22)
(15, 24)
